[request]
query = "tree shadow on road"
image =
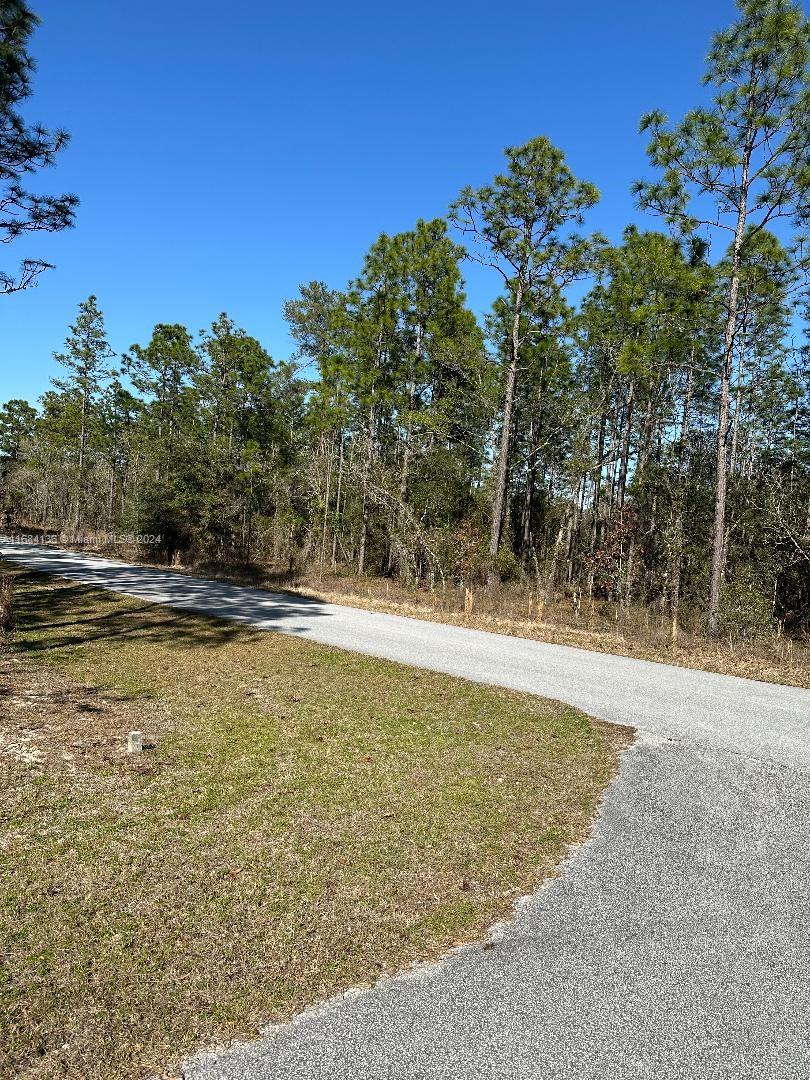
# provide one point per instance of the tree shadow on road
(54, 613)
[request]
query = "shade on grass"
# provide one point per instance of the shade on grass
(304, 820)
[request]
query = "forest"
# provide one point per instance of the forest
(629, 425)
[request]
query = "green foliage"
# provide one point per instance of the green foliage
(507, 564)
(17, 424)
(579, 445)
(520, 224)
(86, 352)
(737, 166)
(750, 145)
(402, 402)
(746, 609)
(24, 148)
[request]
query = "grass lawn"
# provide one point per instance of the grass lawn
(302, 820)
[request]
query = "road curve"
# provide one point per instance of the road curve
(675, 945)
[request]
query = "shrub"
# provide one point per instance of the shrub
(746, 611)
(508, 565)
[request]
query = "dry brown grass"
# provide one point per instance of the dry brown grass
(303, 820)
(519, 610)
(604, 627)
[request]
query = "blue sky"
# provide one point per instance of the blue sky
(224, 153)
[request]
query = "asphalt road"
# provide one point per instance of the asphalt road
(674, 945)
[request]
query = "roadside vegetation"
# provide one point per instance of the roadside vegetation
(616, 455)
(763, 652)
(301, 820)
(521, 611)
(627, 430)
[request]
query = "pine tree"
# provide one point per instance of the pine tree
(86, 357)
(520, 225)
(24, 148)
(738, 165)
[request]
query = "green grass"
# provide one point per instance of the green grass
(304, 820)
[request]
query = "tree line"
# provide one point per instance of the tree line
(646, 444)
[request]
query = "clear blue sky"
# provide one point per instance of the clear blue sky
(226, 152)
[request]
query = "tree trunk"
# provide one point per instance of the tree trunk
(641, 465)
(406, 449)
(738, 400)
(80, 500)
(551, 577)
(595, 508)
(502, 471)
(338, 495)
(683, 472)
(330, 458)
(718, 533)
(573, 526)
(404, 476)
(361, 547)
(372, 435)
(625, 455)
(528, 499)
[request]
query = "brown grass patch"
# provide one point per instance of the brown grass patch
(600, 626)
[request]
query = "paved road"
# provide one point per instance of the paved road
(676, 943)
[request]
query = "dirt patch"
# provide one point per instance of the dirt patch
(51, 723)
